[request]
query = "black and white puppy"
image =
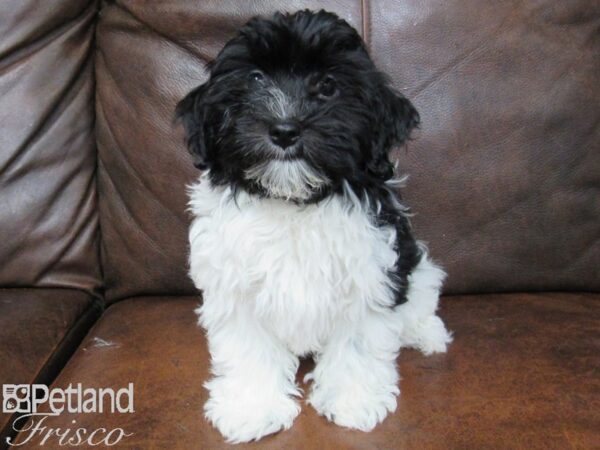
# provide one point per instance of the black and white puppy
(299, 243)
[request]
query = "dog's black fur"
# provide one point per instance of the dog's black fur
(349, 115)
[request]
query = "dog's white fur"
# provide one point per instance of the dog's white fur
(287, 179)
(280, 281)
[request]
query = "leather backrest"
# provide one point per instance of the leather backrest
(505, 174)
(48, 204)
(504, 171)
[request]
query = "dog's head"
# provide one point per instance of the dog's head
(293, 108)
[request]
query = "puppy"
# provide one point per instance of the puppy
(299, 243)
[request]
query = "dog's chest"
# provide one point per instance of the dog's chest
(298, 268)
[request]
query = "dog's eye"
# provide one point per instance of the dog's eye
(256, 77)
(327, 87)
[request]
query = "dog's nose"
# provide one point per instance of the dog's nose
(285, 133)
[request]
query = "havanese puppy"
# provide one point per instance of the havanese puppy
(299, 242)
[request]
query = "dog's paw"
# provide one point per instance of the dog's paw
(428, 335)
(250, 416)
(354, 406)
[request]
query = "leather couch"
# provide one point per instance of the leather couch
(504, 177)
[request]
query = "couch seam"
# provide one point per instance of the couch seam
(366, 29)
(99, 240)
(198, 295)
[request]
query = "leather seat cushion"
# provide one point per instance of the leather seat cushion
(39, 329)
(520, 373)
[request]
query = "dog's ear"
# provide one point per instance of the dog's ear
(191, 112)
(395, 118)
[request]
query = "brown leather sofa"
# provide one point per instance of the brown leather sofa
(504, 177)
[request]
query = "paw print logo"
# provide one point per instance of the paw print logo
(16, 398)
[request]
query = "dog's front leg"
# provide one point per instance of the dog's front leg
(355, 381)
(251, 393)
